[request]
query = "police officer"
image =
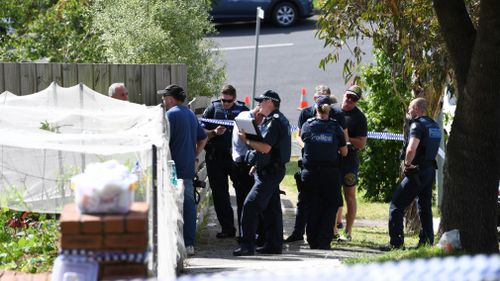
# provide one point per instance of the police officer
(324, 139)
(420, 168)
(218, 155)
(305, 114)
(272, 153)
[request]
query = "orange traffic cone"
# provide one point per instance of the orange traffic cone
(303, 103)
(246, 100)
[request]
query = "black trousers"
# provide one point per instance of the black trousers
(219, 168)
(322, 195)
(242, 183)
(264, 199)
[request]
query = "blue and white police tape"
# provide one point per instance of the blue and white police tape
(294, 128)
(100, 256)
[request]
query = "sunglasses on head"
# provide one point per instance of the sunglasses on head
(227, 101)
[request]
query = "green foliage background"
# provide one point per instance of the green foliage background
(385, 108)
(108, 31)
(28, 249)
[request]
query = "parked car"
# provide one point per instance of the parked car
(281, 12)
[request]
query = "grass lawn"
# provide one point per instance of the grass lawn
(369, 237)
(366, 209)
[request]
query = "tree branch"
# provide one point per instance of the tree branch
(459, 34)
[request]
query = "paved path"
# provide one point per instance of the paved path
(215, 255)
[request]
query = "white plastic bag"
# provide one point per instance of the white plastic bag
(104, 188)
(450, 241)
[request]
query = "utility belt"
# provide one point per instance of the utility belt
(213, 153)
(313, 166)
(427, 163)
(270, 169)
(241, 164)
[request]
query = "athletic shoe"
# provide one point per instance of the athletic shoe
(190, 251)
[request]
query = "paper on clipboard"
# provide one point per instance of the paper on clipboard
(248, 126)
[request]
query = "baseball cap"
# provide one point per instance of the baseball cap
(320, 100)
(355, 90)
(174, 91)
(268, 95)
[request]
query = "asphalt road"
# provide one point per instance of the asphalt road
(288, 60)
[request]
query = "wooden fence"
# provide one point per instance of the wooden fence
(141, 80)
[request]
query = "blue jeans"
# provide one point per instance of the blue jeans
(409, 189)
(189, 213)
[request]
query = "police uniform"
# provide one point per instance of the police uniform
(219, 163)
(417, 183)
(321, 178)
(264, 196)
(302, 209)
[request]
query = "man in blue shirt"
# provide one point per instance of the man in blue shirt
(187, 140)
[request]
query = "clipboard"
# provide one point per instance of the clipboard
(250, 127)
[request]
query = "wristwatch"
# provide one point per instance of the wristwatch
(248, 142)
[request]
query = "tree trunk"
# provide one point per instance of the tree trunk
(472, 167)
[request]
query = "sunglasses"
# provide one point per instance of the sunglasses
(352, 98)
(227, 101)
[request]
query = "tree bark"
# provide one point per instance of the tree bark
(472, 167)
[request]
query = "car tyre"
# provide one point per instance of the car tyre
(284, 14)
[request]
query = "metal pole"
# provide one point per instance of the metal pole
(154, 208)
(259, 16)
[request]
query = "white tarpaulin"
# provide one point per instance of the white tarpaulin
(49, 136)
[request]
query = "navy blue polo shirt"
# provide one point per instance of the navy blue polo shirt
(185, 132)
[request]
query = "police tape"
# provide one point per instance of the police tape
(294, 128)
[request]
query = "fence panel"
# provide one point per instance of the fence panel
(86, 75)
(148, 89)
(142, 81)
(69, 74)
(43, 76)
(133, 82)
(162, 79)
(28, 79)
(12, 78)
(101, 78)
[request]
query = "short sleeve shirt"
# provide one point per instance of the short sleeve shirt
(185, 132)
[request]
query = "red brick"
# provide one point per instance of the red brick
(137, 218)
(91, 242)
(91, 223)
(114, 224)
(126, 241)
(70, 220)
(134, 250)
(122, 270)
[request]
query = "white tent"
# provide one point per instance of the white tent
(49, 136)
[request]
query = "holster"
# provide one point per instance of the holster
(298, 181)
(412, 175)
